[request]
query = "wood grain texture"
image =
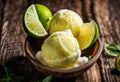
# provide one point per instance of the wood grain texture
(12, 39)
(105, 12)
(1, 15)
(12, 35)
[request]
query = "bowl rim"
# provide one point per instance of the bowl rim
(57, 70)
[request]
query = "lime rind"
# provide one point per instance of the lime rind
(32, 23)
(117, 62)
(41, 11)
(96, 33)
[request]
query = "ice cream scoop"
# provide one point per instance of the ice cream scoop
(65, 19)
(60, 50)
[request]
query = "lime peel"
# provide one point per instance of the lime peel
(96, 33)
(117, 62)
(44, 15)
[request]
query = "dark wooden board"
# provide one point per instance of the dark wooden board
(12, 36)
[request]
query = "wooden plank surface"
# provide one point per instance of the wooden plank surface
(105, 12)
(12, 34)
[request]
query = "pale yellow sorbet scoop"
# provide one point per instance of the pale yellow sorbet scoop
(60, 50)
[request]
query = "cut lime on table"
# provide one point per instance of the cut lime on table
(117, 62)
(32, 24)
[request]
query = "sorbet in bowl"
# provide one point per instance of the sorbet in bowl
(61, 50)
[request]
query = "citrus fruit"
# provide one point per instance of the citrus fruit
(44, 14)
(96, 33)
(65, 19)
(117, 62)
(36, 19)
(88, 35)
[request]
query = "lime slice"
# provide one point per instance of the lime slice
(87, 34)
(32, 24)
(117, 62)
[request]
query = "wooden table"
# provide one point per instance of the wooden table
(12, 36)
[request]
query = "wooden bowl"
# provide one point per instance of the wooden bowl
(33, 45)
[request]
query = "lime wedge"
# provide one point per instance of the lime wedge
(117, 62)
(87, 35)
(32, 24)
(96, 33)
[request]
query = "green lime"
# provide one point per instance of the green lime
(86, 36)
(44, 14)
(32, 24)
(117, 62)
(96, 33)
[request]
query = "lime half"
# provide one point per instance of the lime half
(117, 62)
(32, 24)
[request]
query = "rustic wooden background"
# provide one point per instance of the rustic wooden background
(12, 36)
